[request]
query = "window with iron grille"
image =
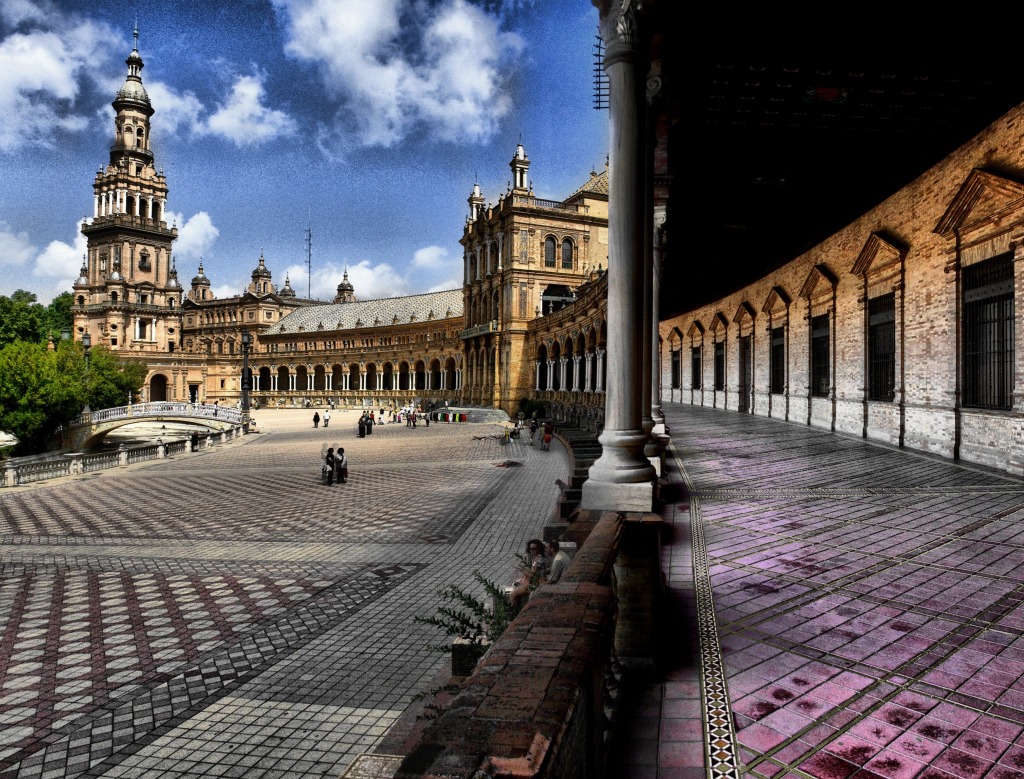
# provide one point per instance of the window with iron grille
(567, 254)
(778, 358)
(720, 365)
(549, 252)
(882, 347)
(675, 368)
(988, 333)
(819, 356)
(695, 367)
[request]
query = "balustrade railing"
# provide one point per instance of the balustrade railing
(20, 471)
(161, 409)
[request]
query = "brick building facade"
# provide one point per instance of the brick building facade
(899, 328)
(494, 342)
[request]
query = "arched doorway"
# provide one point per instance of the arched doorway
(158, 388)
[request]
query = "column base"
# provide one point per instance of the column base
(616, 496)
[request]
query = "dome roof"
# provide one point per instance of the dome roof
(133, 90)
(200, 278)
(261, 270)
(345, 285)
(286, 290)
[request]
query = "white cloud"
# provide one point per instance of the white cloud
(47, 273)
(430, 257)
(43, 66)
(16, 250)
(175, 110)
(196, 236)
(396, 67)
(370, 280)
(244, 120)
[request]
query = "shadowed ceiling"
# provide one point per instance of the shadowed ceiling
(768, 158)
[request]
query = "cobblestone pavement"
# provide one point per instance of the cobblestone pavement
(224, 613)
(859, 610)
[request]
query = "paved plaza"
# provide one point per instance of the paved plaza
(837, 609)
(852, 611)
(224, 613)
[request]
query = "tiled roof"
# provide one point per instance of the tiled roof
(597, 184)
(382, 312)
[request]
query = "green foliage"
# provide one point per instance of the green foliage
(24, 319)
(111, 379)
(58, 317)
(39, 391)
(42, 389)
(468, 616)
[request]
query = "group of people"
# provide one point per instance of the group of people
(546, 436)
(336, 463)
(542, 564)
(326, 418)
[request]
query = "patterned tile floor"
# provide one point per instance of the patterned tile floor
(223, 613)
(857, 611)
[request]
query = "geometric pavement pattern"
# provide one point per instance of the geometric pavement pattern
(869, 607)
(224, 613)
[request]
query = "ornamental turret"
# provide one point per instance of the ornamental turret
(520, 164)
(346, 292)
(261, 283)
(200, 286)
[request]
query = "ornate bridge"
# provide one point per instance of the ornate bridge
(91, 425)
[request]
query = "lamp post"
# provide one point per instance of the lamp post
(87, 345)
(246, 379)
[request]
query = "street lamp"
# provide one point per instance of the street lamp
(246, 379)
(87, 345)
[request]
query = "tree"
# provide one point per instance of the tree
(110, 379)
(39, 391)
(24, 319)
(57, 318)
(20, 318)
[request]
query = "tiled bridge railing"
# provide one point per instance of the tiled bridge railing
(21, 471)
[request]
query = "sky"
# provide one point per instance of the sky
(361, 124)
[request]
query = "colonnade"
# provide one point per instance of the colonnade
(593, 373)
(116, 202)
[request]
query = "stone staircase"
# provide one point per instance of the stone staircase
(583, 449)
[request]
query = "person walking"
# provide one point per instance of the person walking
(316, 419)
(329, 462)
(327, 417)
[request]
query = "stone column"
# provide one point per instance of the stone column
(622, 478)
(657, 413)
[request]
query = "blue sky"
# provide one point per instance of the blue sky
(367, 122)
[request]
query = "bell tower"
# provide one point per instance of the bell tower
(128, 297)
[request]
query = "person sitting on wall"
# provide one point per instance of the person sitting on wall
(536, 567)
(559, 562)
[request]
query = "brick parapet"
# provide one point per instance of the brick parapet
(534, 707)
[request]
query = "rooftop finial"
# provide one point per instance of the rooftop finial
(136, 46)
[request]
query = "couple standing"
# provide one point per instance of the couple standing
(336, 463)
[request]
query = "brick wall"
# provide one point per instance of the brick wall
(915, 245)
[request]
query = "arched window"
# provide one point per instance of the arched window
(567, 254)
(549, 252)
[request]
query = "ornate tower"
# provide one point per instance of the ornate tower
(262, 283)
(346, 292)
(128, 296)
